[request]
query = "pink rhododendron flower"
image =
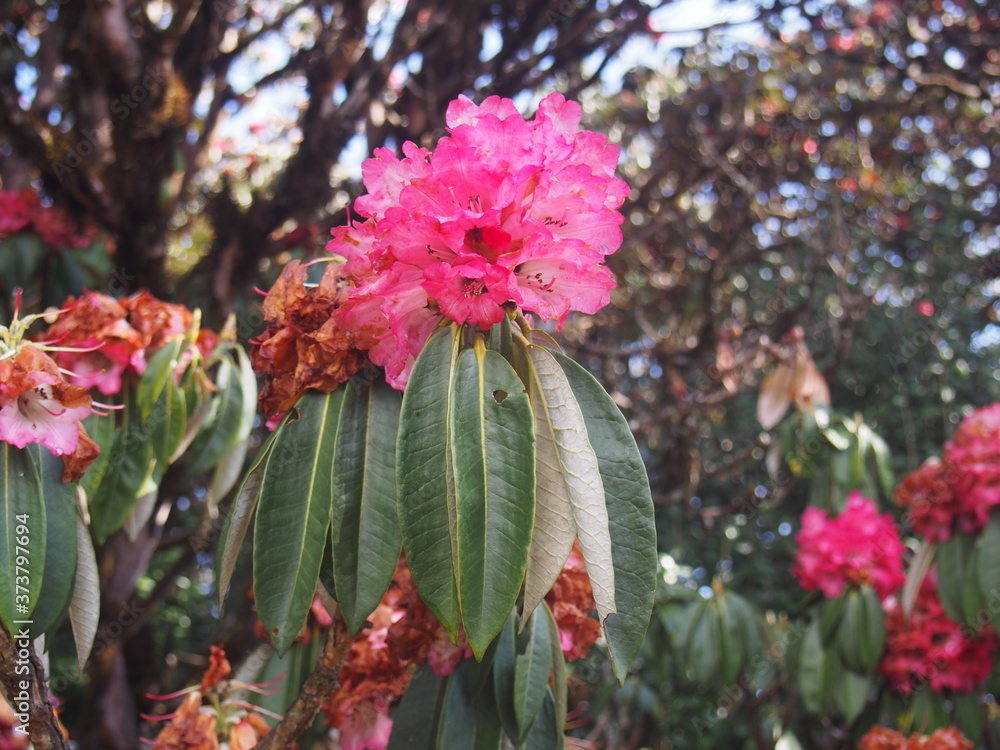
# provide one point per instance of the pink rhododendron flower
(960, 490)
(930, 648)
(22, 211)
(368, 727)
(97, 326)
(444, 656)
(857, 547)
(973, 461)
(17, 207)
(38, 406)
(572, 600)
(503, 212)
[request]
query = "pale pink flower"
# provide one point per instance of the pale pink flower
(38, 406)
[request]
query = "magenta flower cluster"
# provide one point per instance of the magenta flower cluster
(503, 212)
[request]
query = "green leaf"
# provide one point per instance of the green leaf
(731, 652)
(703, 645)
(159, 371)
(248, 389)
(952, 559)
(747, 622)
(560, 691)
(492, 432)
(85, 607)
(630, 513)
(531, 673)
(60, 558)
(22, 534)
(861, 636)
(972, 601)
(851, 693)
(988, 564)
(169, 418)
(293, 516)
(227, 473)
(425, 478)
(102, 431)
(240, 517)
(415, 723)
(883, 464)
(569, 489)
(504, 669)
(470, 721)
(970, 715)
(547, 731)
(141, 512)
(928, 711)
(915, 572)
(365, 529)
(228, 469)
(128, 467)
(223, 429)
(831, 611)
(811, 663)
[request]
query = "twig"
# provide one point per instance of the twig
(43, 727)
(319, 686)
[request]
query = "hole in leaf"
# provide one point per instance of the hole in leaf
(499, 395)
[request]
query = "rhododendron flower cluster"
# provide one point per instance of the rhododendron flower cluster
(22, 211)
(930, 648)
(881, 738)
(303, 347)
(960, 490)
(572, 601)
(404, 634)
(857, 547)
(210, 717)
(504, 212)
(110, 337)
(37, 405)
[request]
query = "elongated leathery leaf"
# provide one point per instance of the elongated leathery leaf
(630, 513)
(365, 528)
(425, 493)
(293, 516)
(129, 466)
(531, 678)
(570, 497)
(228, 421)
(492, 434)
(470, 720)
(22, 534)
(415, 721)
(240, 516)
(159, 371)
(85, 606)
(60, 558)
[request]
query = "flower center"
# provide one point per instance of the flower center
(473, 287)
(490, 242)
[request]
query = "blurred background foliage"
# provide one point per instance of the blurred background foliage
(807, 175)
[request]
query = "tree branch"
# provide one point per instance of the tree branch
(319, 686)
(42, 725)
